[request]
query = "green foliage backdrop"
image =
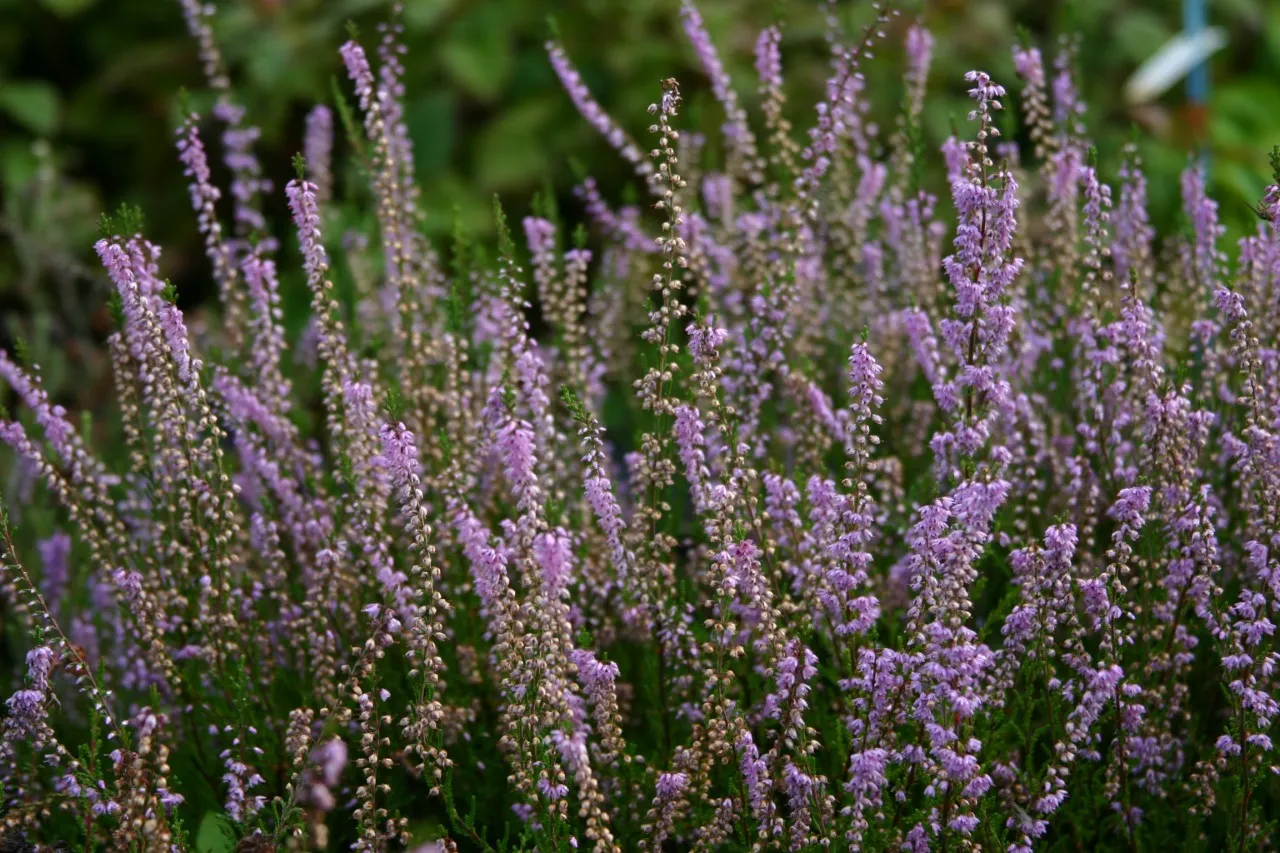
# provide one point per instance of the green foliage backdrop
(89, 94)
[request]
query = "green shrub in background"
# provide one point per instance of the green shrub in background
(97, 80)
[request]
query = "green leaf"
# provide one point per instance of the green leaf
(423, 14)
(432, 127)
(33, 103)
(1140, 33)
(455, 201)
(18, 163)
(505, 158)
(477, 53)
(67, 8)
(214, 836)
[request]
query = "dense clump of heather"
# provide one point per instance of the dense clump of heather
(822, 511)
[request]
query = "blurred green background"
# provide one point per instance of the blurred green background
(89, 94)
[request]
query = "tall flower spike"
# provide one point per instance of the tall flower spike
(247, 183)
(919, 48)
(837, 111)
(394, 197)
(345, 395)
(593, 112)
(1132, 236)
(1202, 211)
(204, 200)
(428, 608)
(980, 271)
(737, 132)
(318, 150)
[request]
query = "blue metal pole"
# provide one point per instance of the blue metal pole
(1194, 22)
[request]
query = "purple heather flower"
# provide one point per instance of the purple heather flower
(306, 215)
(769, 58)
(919, 49)
(515, 445)
(592, 112)
(554, 553)
(318, 150)
(705, 340)
(247, 182)
(353, 56)
(671, 785)
(689, 432)
(755, 774)
(488, 565)
(737, 132)
(28, 707)
(55, 556)
(1202, 211)
(204, 195)
(541, 236)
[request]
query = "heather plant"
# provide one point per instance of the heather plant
(793, 507)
